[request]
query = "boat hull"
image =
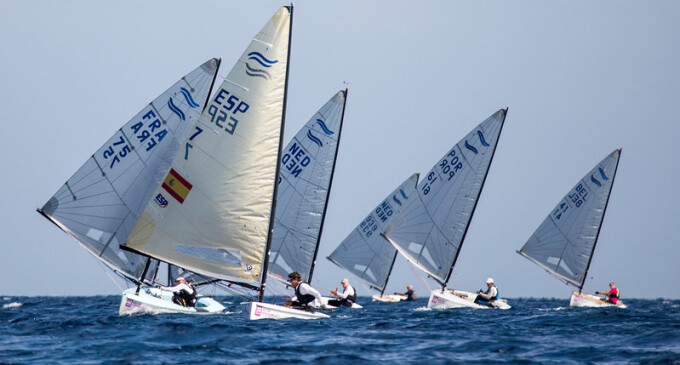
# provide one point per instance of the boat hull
(448, 299)
(257, 310)
(389, 298)
(156, 301)
(592, 301)
(326, 299)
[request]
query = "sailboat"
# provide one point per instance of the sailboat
(99, 205)
(564, 243)
(365, 252)
(307, 168)
(218, 195)
(434, 224)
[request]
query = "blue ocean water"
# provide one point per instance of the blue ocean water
(543, 331)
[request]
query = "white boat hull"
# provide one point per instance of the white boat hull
(460, 299)
(326, 299)
(155, 301)
(389, 298)
(257, 310)
(592, 301)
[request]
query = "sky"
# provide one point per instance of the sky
(580, 79)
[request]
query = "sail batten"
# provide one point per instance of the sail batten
(565, 241)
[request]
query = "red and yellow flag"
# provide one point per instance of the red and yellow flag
(177, 186)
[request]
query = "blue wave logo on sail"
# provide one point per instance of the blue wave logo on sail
(176, 110)
(323, 126)
(481, 140)
(597, 182)
(254, 70)
(403, 194)
(314, 138)
(189, 98)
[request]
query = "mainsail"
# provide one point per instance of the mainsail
(306, 173)
(211, 214)
(564, 243)
(434, 225)
(100, 204)
(365, 252)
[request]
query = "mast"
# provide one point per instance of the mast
(448, 277)
(590, 259)
(265, 264)
(382, 292)
(328, 194)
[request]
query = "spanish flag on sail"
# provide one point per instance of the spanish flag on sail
(177, 186)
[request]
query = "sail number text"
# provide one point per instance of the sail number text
(148, 135)
(295, 159)
(223, 110)
(577, 197)
(448, 168)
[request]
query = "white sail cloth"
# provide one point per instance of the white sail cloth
(434, 224)
(100, 204)
(365, 252)
(306, 172)
(564, 243)
(220, 189)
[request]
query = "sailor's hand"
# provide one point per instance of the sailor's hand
(335, 292)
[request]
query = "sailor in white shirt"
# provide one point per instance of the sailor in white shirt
(346, 298)
(305, 296)
(183, 294)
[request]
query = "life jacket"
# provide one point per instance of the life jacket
(617, 293)
(353, 298)
(303, 299)
(498, 292)
(187, 299)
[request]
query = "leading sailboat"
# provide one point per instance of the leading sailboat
(99, 205)
(434, 224)
(216, 216)
(564, 243)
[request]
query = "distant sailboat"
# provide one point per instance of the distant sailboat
(564, 243)
(434, 225)
(99, 205)
(365, 252)
(307, 168)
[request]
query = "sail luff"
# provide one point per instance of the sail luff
(479, 193)
(330, 184)
(590, 259)
(265, 263)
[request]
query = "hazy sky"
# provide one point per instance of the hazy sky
(580, 78)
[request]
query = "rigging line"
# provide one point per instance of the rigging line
(418, 277)
(108, 272)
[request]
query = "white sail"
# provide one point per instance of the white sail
(564, 243)
(365, 252)
(435, 224)
(100, 203)
(218, 195)
(306, 173)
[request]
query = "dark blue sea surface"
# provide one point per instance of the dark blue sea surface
(542, 331)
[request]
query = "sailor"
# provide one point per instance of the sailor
(410, 294)
(346, 298)
(612, 294)
(488, 296)
(305, 297)
(183, 294)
